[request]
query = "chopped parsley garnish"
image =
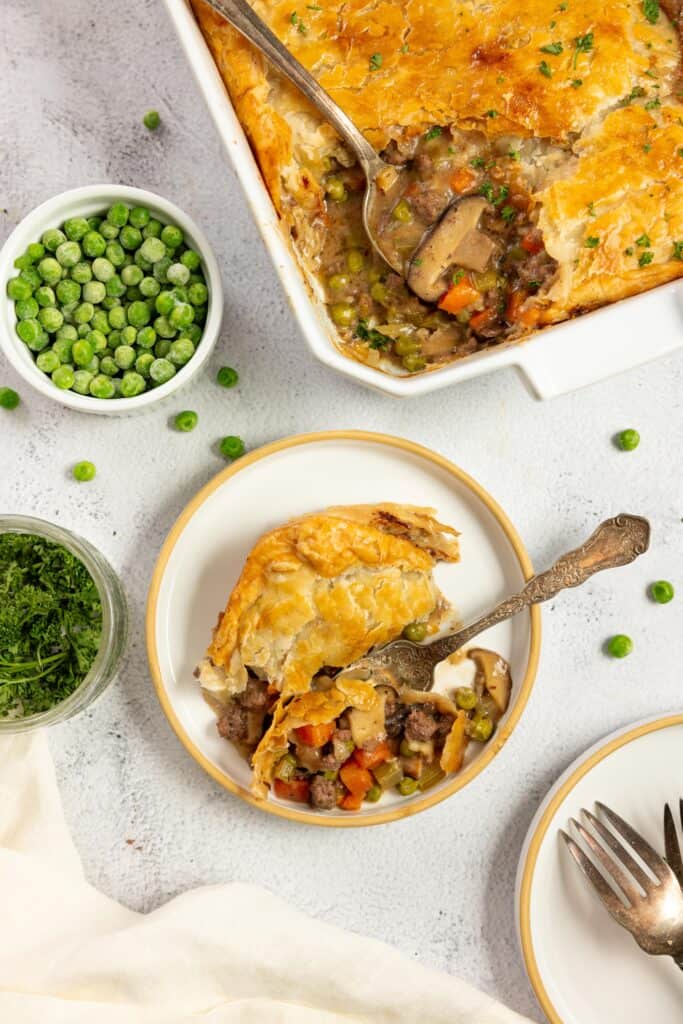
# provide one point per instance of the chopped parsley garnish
(653, 104)
(592, 242)
(50, 623)
(677, 254)
(647, 147)
(553, 23)
(645, 258)
(478, 162)
(629, 251)
(591, 209)
(562, 7)
(680, 151)
(488, 190)
(508, 213)
(554, 48)
(650, 73)
(374, 338)
(405, 48)
(643, 242)
(533, 286)
(492, 113)
(635, 93)
(514, 154)
(313, 7)
(651, 10)
(458, 276)
(577, 83)
(433, 133)
(582, 44)
(500, 79)
(376, 61)
(545, 69)
(296, 20)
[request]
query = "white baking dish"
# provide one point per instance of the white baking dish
(559, 359)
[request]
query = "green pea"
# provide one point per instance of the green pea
(160, 269)
(31, 275)
(50, 270)
(35, 251)
(84, 330)
(63, 377)
(68, 254)
(94, 223)
(132, 275)
(132, 384)
(181, 315)
(139, 216)
(84, 312)
(102, 386)
(82, 380)
(51, 319)
(68, 291)
(9, 399)
(147, 337)
(151, 120)
(81, 273)
(115, 254)
(18, 289)
(62, 348)
(94, 291)
(343, 314)
(164, 303)
(47, 361)
(334, 187)
(161, 371)
(110, 302)
(108, 366)
(227, 377)
(67, 332)
(232, 447)
(407, 787)
(143, 363)
(76, 228)
(198, 294)
(402, 211)
(480, 728)
(26, 309)
(190, 259)
(620, 646)
(82, 352)
(466, 698)
(118, 214)
(338, 282)
(117, 317)
(68, 311)
(627, 440)
(172, 236)
(129, 335)
(153, 249)
(152, 229)
(97, 339)
(52, 239)
(133, 294)
(164, 328)
(45, 296)
(29, 330)
(130, 237)
(414, 363)
(415, 631)
(109, 231)
(124, 357)
(374, 793)
(662, 591)
(355, 260)
(93, 244)
(186, 421)
(115, 287)
(23, 262)
(162, 348)
(141, 262)
(379, 292)
(181, 351)
(178, 273)
(139, 314)
(194, 333)
(93, 366)
(149, 287)
(406, 346)
(200, 314)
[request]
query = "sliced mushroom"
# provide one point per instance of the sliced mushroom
(493, 673)
(455, 238)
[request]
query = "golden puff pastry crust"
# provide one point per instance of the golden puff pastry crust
(588, 94)
(322, 590)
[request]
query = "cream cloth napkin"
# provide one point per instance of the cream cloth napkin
(219, 955)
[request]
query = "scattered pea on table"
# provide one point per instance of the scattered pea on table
(186, 421)
(84, 471)
(227, 377)
(628, 440)
(232, 447)
(9, 399)
(620, 646)
(151, 120)
(662, 591)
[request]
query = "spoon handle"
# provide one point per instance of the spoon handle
(242, 17)
(616, 542)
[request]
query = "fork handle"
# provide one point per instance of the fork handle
(616, 542)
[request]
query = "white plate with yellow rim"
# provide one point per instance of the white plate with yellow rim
(204, 553)
(583, 967)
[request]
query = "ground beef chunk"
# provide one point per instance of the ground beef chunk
(421, 724)
(323, 793)
(428, 205)
(399, 151)
(232, 725)
(395, 715)
(536, 270)
(309, 757)
(424, 165)
(255, 696)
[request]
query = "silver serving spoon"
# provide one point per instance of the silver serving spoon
(380, 176)
(616, 542)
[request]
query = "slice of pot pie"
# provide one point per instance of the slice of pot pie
(321, 591)
(557, 126)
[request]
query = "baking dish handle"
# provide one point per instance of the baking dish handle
(603, 343)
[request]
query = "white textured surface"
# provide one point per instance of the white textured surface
(76, 80)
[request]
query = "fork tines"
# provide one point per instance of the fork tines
(672, 846)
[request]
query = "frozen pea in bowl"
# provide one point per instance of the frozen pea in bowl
(111, 299)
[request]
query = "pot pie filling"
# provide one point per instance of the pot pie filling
(558, 123)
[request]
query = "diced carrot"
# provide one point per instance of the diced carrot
(315, 735)
(292, 789)
(532, 242)
(529, 317)
(461, 179)
(482, 319)
(351, 802)
(356, 779)
(514, 303)
(371, 758)
(412, 189)
(459, 295)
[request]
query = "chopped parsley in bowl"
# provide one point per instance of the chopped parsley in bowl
(62, 623)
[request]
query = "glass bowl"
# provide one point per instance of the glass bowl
(114, 623)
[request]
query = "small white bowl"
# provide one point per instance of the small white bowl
(89, 201)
